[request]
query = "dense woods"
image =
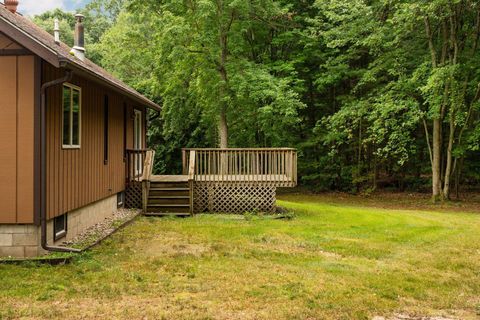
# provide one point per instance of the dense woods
(374, 94)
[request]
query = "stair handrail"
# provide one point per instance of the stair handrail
(191, 177)
(148, 165)
(146, 177)
(191, 165)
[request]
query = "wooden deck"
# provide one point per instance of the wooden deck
(213, 180)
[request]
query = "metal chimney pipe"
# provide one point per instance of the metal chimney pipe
(79, 38)
(56, 32)
(11, 5)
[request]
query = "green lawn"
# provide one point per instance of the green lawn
(330, 262)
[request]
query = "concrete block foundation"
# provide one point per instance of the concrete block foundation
(24, 241)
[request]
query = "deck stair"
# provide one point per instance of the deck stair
(169, 196)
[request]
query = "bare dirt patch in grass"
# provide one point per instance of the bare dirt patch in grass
(399, 316)
(288, 245)
(173, 244)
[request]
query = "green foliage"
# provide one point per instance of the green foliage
(175, 53)
(351, 84)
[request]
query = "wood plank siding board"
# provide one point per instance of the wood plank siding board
(17, 87)
(37, 140)
(77, 177)
(8, 148)
(25, 138)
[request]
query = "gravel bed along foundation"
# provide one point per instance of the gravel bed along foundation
(103, 229)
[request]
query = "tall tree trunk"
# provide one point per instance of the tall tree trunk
(436, 156)
(222, 69)
(223, 128)
(448, 168)
(436, 165)
(222, 121)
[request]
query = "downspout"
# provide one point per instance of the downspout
(43, 164)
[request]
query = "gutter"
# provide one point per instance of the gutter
(43, 164)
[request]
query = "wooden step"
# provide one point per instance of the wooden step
(169, 197)
(169, 200)
(167, 214)
(166, 192)
(164, 185)
(169, 189)
(168, 208)
(169, 178)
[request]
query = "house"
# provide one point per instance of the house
(65, 128)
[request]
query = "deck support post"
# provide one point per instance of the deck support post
(145, 191)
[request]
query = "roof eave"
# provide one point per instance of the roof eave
(93, 76)
(30, 43)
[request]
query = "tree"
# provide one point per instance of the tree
(452, 89)
(423, 79)
(201, 60)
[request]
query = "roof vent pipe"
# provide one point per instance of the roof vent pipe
(56, 32)
(79, 39)
(11, 5)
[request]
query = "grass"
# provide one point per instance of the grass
(331, 261)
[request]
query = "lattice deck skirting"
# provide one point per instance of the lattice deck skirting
(224, 198)
(133, 195)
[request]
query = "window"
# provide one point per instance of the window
(60, 227)
(120, 199)
(105, 128)
(72, 100)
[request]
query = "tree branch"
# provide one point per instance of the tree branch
(427, 135)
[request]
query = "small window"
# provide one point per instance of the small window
(60, 227)
(72, 100)
(120, 199)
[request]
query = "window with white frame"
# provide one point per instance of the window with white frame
(72, 105)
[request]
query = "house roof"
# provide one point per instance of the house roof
(43, 44)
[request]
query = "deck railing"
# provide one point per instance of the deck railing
(272, 166)
(135, 164)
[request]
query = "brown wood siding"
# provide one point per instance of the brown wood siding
(16, 139)
(25, 139)
(78, 177)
